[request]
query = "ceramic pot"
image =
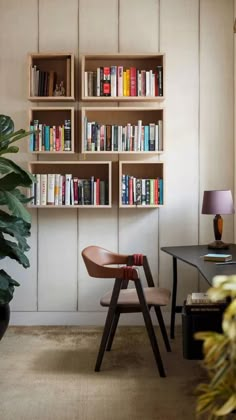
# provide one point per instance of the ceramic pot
(4, 318)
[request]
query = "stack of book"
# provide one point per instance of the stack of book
(200, 301)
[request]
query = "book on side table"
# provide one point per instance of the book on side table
(217, 257)
(200, 301)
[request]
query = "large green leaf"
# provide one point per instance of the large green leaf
(12, 250)
(6, 125)
(11, 149)
(14, 204)
(15, 227)
(13, 180)
(8, 166)
(7, 285)
(17, 193)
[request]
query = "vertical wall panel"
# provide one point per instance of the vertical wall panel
(98, 26)
(139, 26)
(179, 217)
(138, 228)
(57, 245)
(57, 233)
(216, 107)
(98, 33)
(58, 25)
(96, 227)
(15, 43)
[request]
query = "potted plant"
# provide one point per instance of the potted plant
(15, 220)
(217, 398)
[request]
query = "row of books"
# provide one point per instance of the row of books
(42, 82)
(120, 81)
(55, 138)
(68, 190)
(136, 191)
(117, 138)
(46, 83)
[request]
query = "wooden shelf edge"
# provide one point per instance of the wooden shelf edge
(140, 206)
(123, 98)
(51, 98)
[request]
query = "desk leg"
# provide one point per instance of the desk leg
(173, 304)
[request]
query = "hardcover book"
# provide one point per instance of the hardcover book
(217, 257)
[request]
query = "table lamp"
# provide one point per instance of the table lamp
(218, 202)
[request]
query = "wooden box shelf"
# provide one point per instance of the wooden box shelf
(141, 184)
(138, 77)
(136, 130)
(85, 175)
(46, 72)
(57, 120)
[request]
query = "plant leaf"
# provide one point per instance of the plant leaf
(11, 149)
(14, 204)
(6, 125)
(228, 406)
(15, 227)
(10, 249)
(7, 286)
(8, 166)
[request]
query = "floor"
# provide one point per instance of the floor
(48, 373)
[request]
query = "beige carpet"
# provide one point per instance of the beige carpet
(47, 373)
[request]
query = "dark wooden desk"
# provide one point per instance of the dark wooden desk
(208, 269)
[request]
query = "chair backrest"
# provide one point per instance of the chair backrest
(96, 259)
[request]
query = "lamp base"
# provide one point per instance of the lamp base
(218, 245)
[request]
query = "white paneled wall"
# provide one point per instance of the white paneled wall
(216, 107)
(178, 223)
(197, 39)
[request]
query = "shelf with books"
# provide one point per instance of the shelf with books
(61, 184)
(56, 133)
(51, 77)
(122, 77)
(135, 130)
(141, 184)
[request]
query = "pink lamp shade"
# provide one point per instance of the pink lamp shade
(217, 202)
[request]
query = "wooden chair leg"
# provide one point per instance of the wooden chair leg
(113, 330)
(162, 327)
(108, 323)
(149, 326)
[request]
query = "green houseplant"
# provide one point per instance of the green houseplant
(217, 398)
(15, 221)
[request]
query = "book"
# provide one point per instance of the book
(51, 189)
(68, 76)
(43, 189)
(67, 135)
(200, 297)
(206, 305)
(106, 81)
(68, 178)
(217, 257)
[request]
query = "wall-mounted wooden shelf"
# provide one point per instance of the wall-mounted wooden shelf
(141, 184)
(135, 130)
(46, 72)
(57, 130)
(136, 77)
(93, 181)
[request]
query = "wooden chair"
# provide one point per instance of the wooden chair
(124, 300)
